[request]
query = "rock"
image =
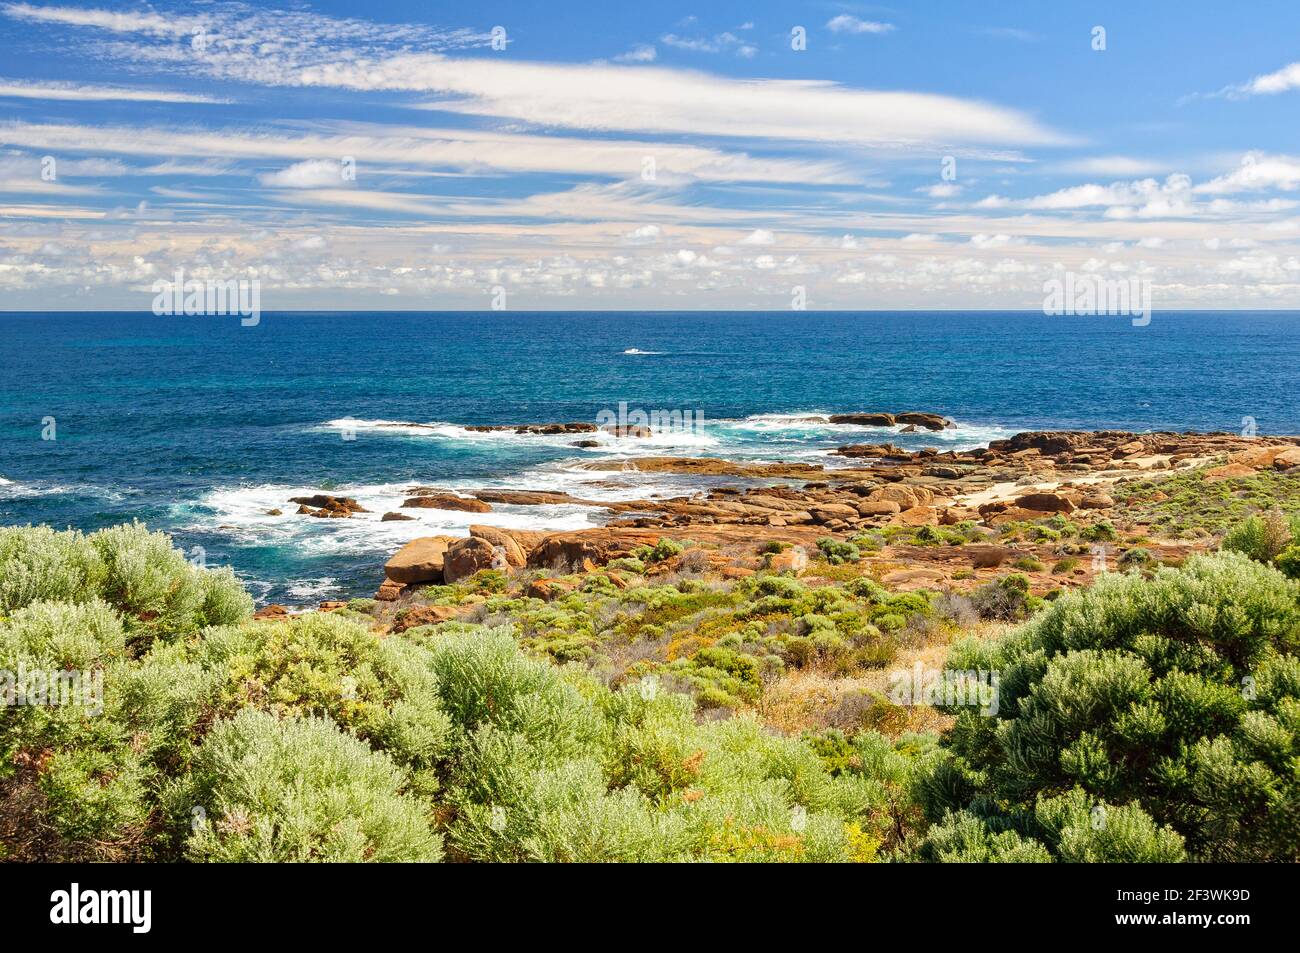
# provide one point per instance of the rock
(273, 611)
(332, 605)
(447, 501)
(988, 557)
(905, 496)
(329, 506)
(548, 589)
(1046, 502)
(952, 515)
(586, 444)
(275, 512)
(916, 516)
(828, 512)
(389, 591)
(423, 615)
(878, 508)
(905, 580)
(599, 545)
(1097, 501)
(864, 420)
(735, 572)
(420, 560)
(1287, 459)
(394, 517)
(943, 473)
(465, 557)
(1231, 471)
(928, 421)
(514, 553)
(542, 429)
(794, 559)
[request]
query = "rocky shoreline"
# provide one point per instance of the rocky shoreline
(783, 511)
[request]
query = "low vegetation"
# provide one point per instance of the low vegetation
(1155, 716)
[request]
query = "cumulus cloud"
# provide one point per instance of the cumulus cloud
(844, 23)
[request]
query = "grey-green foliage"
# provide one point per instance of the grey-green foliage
(269, 790)
(1175, 700)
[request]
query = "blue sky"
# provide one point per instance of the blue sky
(668, 155)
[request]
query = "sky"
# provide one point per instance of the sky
(674, 155)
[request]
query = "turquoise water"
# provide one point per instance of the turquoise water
(198, 425)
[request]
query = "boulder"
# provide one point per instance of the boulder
(328, 506)
(918, 419)
(988, 557)
(905, 580)
(1046, 502)
(447, 501)
(394, 517)
(599, 545)
(1097, 501)
(794, 559)
(916, 516)
(420, 560)
(423, 615)
(273, 611)
(1230, 471)
(509, 546)
(878, 508)
(548, 589)
(275, 512)
(864, 420)
(828, 512)
(389, 591)
(465, 557)
(1287, 459)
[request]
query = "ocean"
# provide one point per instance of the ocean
(199, 426)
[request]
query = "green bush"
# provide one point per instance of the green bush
(1262, 538)
(266, 790)
(1175, 696)
(836, 552)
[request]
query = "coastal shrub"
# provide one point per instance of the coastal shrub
(267, 790)
(1062, 566)
(38, 564)
(1101, 531)
(1004, 600)
(1262, 538)
(1176, 695)
(836, 552)
(1288, 561)
(665, 549)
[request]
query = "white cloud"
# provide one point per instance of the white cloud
(1113, 165)
(720, 43)
(310, 174)
(941, 190)
(77, 92)
(1288, 77)
(645, 235)
(759, 236)
(1257, 172)
(642, 53)
(850, 24)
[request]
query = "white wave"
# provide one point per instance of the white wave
(314, 588)
(638, 351)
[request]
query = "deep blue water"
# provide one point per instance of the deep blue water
(198, 425)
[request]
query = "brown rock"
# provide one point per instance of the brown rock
(420, 560)
(735, 572)
(878, 508)
(514, 553)
(905, 580)
(988, 557)
(1287, 459)
(1046, 502)
(928, 421)
(394, 517)
(273, 611)
(423, 615)
(447, 501)
(1231, 471)
(794, 559)
(389, 591)
(328, 506)
(465, 557)
(827, 512)
(549, 589)
(274, 512)
(917, 516)
(1097, 501)
(864, 420)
